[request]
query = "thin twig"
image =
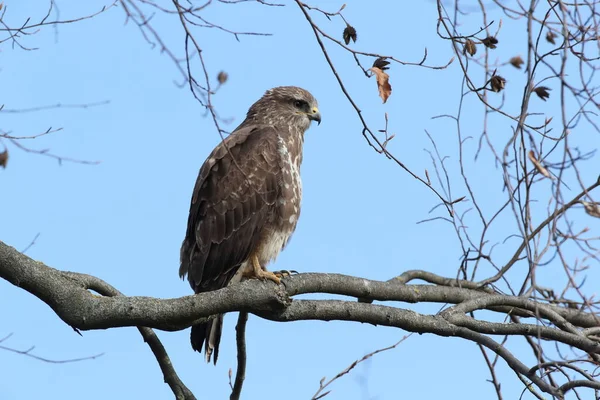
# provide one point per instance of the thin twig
(44, 359)
(240, 374)
(323, 385)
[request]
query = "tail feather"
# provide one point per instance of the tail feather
(208, 335)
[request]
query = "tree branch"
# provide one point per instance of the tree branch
(32, 279)
(240, 374)
(67, 293)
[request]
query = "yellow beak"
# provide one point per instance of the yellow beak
(315, 115)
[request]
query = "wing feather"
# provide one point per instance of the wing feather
(233, 200)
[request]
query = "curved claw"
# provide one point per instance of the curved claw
(284, 273)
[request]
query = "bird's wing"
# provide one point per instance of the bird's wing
(233, 199)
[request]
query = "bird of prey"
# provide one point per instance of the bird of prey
(246, 201)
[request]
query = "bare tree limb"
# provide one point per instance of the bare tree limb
(240, 374)
(179, 389)
(43, 281)
(67, 293)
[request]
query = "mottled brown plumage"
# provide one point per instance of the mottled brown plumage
(246, 201)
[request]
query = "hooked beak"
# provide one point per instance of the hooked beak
(315, 115)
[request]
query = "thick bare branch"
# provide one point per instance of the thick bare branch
(68, 295)
(32, 278)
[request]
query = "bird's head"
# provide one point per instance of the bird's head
(286, 104)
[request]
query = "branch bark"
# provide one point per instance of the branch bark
(68, 294)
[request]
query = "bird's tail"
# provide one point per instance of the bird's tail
(208, 334)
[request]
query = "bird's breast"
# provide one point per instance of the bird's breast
(287, 206)
(290, 184)
(274, 240)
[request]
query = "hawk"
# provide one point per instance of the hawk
(246, 201)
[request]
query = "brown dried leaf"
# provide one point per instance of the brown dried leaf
(550, 37)
(538, 165)
(3, 156)
(349, 34)
(516, 62)
(592, 209)
(383, 83)
(572, 305)
(222, 77)
(490, 42)
(497, 83)
(381, 63)
(470, 48)
(542, 92)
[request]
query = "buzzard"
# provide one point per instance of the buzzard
(246, 201)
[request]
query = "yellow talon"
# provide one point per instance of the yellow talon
(259, 273)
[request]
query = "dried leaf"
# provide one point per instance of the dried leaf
(516, 62)
(222, 77)
(342, 7)
(538, 165)
(381, 63)
(497, 83)
(490, 42)
(3, 156)
(470, 48)
(550, 37)
(383, 83)
(349, 34)
(572, 305)
(542, 92)
(592, 209)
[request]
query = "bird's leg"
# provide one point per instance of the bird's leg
(259, 273)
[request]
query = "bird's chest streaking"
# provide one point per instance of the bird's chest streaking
(287, 205)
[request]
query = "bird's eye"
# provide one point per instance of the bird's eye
(299, 103)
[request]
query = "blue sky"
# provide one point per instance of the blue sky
(123, 220)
